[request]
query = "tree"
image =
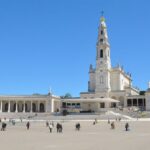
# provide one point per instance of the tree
(67, 95)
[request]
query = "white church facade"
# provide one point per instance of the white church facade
(108, 88)
(107, 84)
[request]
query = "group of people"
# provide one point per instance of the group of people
(59, 126)
(95, 121)
(112, 124)
(51, 126)
(4, 125)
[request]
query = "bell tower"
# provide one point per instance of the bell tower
(103, 62)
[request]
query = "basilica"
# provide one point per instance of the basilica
(108, 87)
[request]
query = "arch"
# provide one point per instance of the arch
(14, 107)
(42, 107)
(6, 107)
(129, 102)
(20, 106)
(33, 107)
(26, 107)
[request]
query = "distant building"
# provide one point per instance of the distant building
(108, 88)
(107, 84)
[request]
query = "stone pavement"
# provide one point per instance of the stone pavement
(91, 137)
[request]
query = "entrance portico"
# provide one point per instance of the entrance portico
(88, 105)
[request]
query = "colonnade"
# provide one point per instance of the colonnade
(22, 106)
(138, 102)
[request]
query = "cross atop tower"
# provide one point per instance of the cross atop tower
(102, 13)
(102, 19)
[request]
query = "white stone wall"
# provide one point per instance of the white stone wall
(118, 80)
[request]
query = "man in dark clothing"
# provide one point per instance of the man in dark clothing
(3, 126)
(127, 126)
(28, 125)
(78, 126)
(57, 126)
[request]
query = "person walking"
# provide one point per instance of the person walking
(112, 125)
(127, 126)
(3, 126)
(50, 127)
(77, 126)
(57, 127)
(28, 125)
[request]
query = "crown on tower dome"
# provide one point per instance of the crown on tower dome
(102, 22)
(102, 19)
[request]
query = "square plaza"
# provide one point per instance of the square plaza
(99, 136)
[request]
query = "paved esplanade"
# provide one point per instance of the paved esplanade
(95, 137)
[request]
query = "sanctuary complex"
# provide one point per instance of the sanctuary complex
(108, 87)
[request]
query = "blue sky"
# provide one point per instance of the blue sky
(51, 43)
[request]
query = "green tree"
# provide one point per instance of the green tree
(67, 95)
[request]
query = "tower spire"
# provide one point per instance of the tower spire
(103, 62)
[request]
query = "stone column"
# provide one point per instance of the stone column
(37, 109)
(38, 106)
(31, 107)
(9, 106)
(16, 107)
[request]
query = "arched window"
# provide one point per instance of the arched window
(101, 53)
(33, 107)
(101, 40)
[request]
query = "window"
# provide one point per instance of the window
(102, 32)
(101, 53)
(68, 104)
(113, 105)
(77, 105)
(73, 104)
(102, 105)
(101, 40)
